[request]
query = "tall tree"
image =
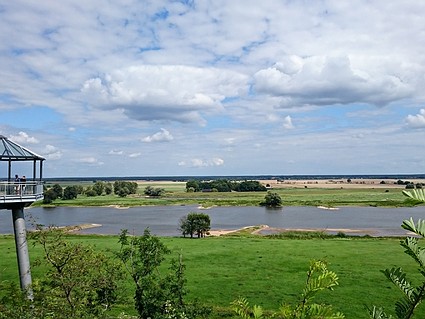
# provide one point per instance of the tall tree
(155, 294)
(195, 224)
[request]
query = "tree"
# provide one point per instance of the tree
(90, 192)
(412, 296)
(49, 196)
(156, 192)
(58, 190)
(319, 278)
(70, 192)
(193, 184)
(80, 282)
(108, 188)
(272, 199)
(99, 187)
(155, 294)
(124, 188)
(195, 224)
(249, 186)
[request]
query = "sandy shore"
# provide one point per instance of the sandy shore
(265, 229)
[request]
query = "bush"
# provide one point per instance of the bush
(272, 200)
(155, 192)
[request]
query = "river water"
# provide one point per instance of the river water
(164, 220)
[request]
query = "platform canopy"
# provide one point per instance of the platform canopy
(13, 152)
(10, 151)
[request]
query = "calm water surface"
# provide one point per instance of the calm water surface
(164, 220)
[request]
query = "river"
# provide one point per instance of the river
(164, 220)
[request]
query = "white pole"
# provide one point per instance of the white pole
(22, 250)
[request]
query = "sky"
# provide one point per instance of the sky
(223, 87)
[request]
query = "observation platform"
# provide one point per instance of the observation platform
(13, 193)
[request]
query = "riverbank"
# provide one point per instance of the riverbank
(324, 193)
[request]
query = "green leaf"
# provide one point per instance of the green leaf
(378, 313)
(417, 194)
(398, 277)
(418, 229)
(413, 250)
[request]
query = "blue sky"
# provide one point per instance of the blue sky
(136, 88)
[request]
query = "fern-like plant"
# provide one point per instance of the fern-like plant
(417, 194)
(318, 278)
(412, 295)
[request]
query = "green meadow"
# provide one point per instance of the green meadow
(175, 194)
(267, 271)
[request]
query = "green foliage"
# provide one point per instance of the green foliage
(57, 190)
(49, 196)
(90, 192)
(249, 186)
(318, 278)
(154, 294)
(412, 295)
(416, 194)
(193, 184)
(15, 304)
(124, 188)
(195, 224)
(77, 282)
(224, 185)
(99, 187)
(155, 192)
(272, 199)
(293, 234)
(108, 188)
(80, 281)
(70, 192)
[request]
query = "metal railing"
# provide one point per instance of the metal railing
(20, 192)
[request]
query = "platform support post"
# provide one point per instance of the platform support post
(22, 250)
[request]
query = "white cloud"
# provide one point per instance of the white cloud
(416, 121)
(326, 80)
(50, 152)
(115, 152)
(23, 138)
(165, 92)
(197, 162)
(89, 160)
(221, 76)
(134, 155)
(161, 136)
(287, 123)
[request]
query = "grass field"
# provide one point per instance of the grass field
(175, 194)
(266, 271)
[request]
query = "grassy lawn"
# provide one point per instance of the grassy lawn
(266, 271)
(175, 194)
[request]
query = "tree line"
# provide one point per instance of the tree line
(120, 188)
(224, 185)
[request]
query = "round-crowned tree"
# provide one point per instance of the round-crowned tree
(272, 199)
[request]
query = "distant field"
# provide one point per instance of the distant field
(266, 271)
(293, 195)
